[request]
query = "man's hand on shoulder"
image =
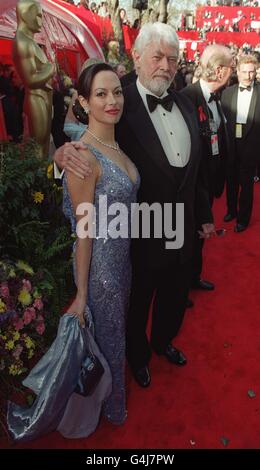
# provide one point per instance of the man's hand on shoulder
(69, 158)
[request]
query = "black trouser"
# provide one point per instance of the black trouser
(241, 204)
(170, 288)
(257, 171)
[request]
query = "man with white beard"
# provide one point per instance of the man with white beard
(159, 132)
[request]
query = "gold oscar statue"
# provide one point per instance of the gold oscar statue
(35, 71)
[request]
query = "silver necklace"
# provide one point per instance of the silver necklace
(114, 147)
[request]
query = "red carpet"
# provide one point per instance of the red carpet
(205, 404)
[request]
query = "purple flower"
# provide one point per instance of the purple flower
(18, 324)
(27, 317)
(27, 285)
(38, 304)
(4, 290)
(7, 315)
(40, 328)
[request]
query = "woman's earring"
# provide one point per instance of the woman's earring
(86, 110)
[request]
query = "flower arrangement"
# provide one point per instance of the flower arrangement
(30, 211)
(33, 228)
(22, 316)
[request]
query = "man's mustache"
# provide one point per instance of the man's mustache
(164, 77)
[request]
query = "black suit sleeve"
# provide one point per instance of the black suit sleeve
(225, 101)
(203, 212)
(59, 137)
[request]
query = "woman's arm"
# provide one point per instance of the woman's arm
(82, 191)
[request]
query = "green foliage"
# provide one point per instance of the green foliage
(128, 62)
(32, 225)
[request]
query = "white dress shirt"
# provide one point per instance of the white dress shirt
(171, 129)
(243, 104)
(212, 105)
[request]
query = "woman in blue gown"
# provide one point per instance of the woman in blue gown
(102, 273)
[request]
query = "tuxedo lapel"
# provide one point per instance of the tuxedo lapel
(139, 120)
(233, 111)
(204, 115)
(251, 112)
(193, 137)
(202, 103)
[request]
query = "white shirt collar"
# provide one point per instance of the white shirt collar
(205, 89)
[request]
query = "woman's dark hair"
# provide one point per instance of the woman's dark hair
(85, 81)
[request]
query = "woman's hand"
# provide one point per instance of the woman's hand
(207, 231)
(77, 309)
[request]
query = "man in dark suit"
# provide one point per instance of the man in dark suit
(159, 132)
(216, 68)
(241, 105)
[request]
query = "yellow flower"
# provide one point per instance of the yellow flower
(50, 171)
(14, 370)
(30, 353)
(25, 267)
(29, 343)
(38, 197)
(25, 297)
(16, 336)
(9, 345)
(3, 337)
(2, 306)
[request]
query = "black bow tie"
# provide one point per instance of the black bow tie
(242, 88)
(213, 97)
(166, 102)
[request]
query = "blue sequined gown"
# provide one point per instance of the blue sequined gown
(109, 277)
(54, 377)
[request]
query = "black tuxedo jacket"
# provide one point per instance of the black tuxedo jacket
(137, 137)
(215, 176)
(249, 144)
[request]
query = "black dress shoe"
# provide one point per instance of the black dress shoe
(240, 228)
(229, 217)
(189, 303)
(175, 356)
(203, 285)
(142, 376)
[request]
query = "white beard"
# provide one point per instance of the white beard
(158, 86)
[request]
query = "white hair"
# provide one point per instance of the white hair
(213, 56)
(156, 32)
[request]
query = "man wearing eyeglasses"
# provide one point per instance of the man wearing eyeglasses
(216, 68)
(241, 104)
